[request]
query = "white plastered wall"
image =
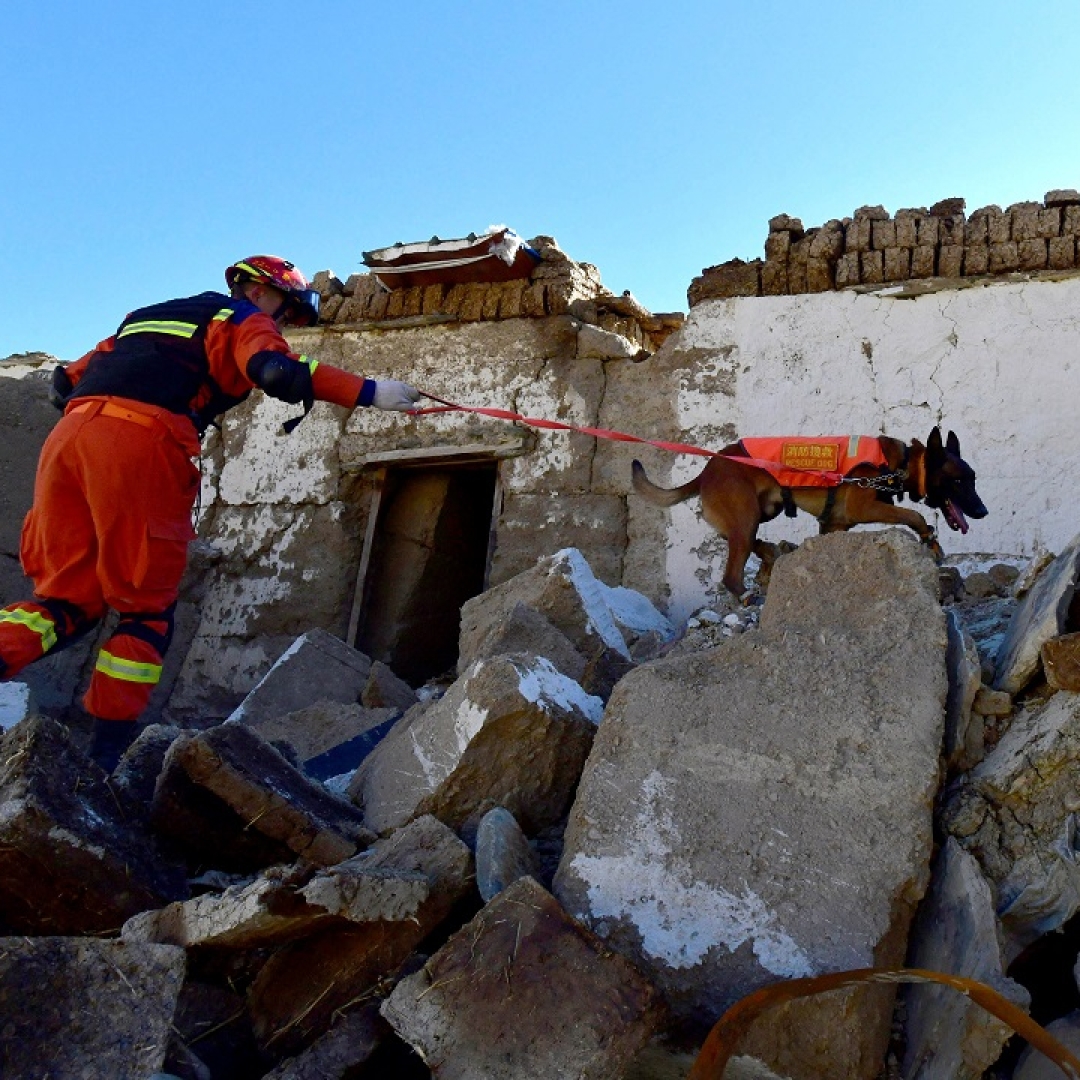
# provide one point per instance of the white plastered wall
(998, 363)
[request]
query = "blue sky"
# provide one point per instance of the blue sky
(144, 147)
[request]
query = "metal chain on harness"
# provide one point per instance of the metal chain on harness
(892, 482)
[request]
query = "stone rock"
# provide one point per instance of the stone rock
(335, 766)
(992, 702)
(486, 1005)
(317, 667)
(1034, 1065)
(322, 727)
(346, 1047)
(963, 745)
(384, 690)
(298, 991)
(16, 704)
(733, 278)
(717, 779)
(597, 344)
(512, 731)
(1062, 197)
(135, 777)
(1041, 615)
(70, 862)
(948, 208)
(1016, 813)
(502, 853)
(283, 905)
(522, 629)
(948, 1036)
(785, 223)
(256, 793)
(564, 590)
(1060, 657)
(77, 1007)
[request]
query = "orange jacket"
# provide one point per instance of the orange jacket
(230, 345)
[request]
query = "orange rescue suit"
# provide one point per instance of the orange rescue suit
(115, 488)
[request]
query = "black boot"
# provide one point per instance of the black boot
(111, 739)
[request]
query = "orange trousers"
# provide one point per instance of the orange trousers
(109, 528)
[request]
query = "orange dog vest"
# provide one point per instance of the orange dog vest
(818, 461)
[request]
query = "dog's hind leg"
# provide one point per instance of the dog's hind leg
(740, 545)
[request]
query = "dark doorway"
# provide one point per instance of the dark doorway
(427, 553)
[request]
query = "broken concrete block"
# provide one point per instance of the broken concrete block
(963, 743)
(77, 1007)
(1034, 1065)
(135, 777)
(502, 853)
(285, 904)
(947, 1034)
(347, 1046)
(316, 667)
(564, 590)
(523, 629)
(342, 759)
(70, 862)
(488, 1004)
(1060, 658)
(300, 988)
(1016, 812)
(1042, 615)
(510, 732)
(989, 702)
(716, 779)
(322, 727)
(255, 791)
(384, 690)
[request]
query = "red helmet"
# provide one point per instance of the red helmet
(302, 301)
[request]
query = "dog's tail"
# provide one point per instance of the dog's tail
(659, 496)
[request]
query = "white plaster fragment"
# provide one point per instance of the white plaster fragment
(544, 686)
(597, 612)
(680, 920)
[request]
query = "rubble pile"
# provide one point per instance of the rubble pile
(573, 858)
(874, 247)
(557, 286)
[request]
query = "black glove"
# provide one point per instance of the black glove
(60, 388)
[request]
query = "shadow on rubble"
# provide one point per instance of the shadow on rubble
(350, 878)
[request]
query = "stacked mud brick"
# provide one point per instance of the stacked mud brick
(873, 248)
(557, 286)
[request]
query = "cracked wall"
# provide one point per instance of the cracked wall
(998, 364)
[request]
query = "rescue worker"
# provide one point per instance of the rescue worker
(116, 484)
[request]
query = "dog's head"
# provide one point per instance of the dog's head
(950, 482)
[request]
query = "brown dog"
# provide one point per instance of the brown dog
(737, 497)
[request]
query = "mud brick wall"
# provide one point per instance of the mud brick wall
(557, 286)
(874, 248)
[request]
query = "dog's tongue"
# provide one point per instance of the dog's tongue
(954, 517)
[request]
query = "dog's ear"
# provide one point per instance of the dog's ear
(952, 444)
(933, 444)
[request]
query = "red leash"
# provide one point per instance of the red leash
(554, 425)
(824, 478)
